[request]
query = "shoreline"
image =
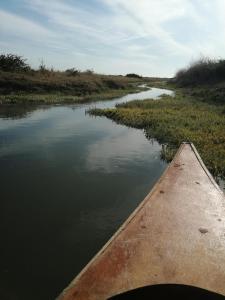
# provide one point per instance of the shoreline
(51, 99)
(173, 120)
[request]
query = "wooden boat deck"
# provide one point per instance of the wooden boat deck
(176, 235)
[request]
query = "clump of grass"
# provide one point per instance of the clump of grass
(172, 120)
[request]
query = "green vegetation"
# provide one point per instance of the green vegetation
(13, 63)
(204, 80)
(31, 98)
(212, 94)
(196, 113)
(202, 72)
(133, 75)
(172, 120)
(20, 84)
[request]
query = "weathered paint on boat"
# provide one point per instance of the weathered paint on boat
(176, 235)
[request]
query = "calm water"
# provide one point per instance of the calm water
(68, 181)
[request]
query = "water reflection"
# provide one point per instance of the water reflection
(117, 149)
(68, 181)
(15, 112)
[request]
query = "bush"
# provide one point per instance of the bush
(133, 75)
(203, 71)
(89, 72)
(72, 72)
(13, 63)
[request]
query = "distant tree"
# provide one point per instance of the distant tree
(13, 63)
(133, 75)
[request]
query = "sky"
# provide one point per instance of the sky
(148, 37)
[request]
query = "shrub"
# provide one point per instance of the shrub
(72, 72)
(133, 75)
(203, 71)
(13, 63)
(89, 72)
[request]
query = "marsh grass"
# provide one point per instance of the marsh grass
(213, 94)
(58, 87)
(60, 98)
(172, 120)
(60, 82)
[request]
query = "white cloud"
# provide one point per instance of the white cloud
(145, 18)
(22, 27)
(118, 35)
(72, 19)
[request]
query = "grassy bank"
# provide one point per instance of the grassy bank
(50, 87)
(60, 98)
(203, 79)
(173, 120)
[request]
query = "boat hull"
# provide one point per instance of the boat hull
(175, 236)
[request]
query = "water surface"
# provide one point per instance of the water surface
(68, 181)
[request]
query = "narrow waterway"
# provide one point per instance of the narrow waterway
(68, 181)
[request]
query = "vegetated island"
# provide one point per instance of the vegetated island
(195, 114)
(20, 84)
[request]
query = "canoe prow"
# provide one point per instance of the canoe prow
(175, 236)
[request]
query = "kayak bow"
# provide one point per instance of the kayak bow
(175, 236)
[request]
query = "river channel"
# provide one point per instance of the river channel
(68, 181)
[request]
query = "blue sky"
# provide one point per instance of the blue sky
(149, 37)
